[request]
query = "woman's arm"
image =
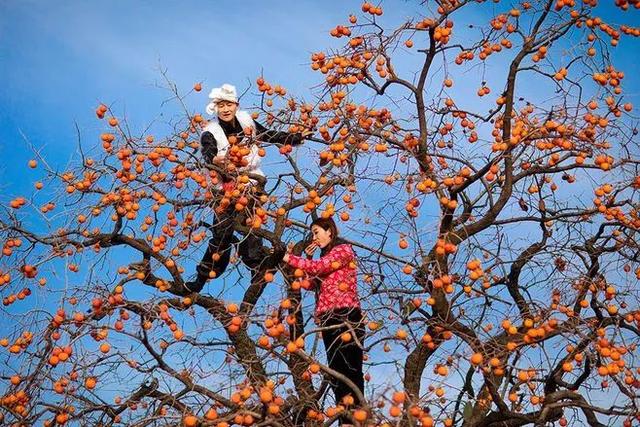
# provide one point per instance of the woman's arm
(337, 258)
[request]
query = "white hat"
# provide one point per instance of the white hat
(225, 93)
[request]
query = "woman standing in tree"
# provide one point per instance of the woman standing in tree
(337, 305)
(234, 126)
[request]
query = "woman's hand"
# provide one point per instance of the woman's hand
(311, 249)
(290, 246)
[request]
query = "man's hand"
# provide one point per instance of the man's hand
(306, 133)
(218, 160)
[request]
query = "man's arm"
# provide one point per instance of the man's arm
(277, 137)
(212, 147)
(208, 146)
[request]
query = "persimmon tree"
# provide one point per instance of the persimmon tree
(486, 174)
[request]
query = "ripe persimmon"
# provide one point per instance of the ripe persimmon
(190, 421)
(476, 358)
(90, 383)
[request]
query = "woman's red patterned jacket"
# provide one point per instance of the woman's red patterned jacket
(337, 273)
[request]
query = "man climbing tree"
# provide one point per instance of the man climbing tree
(236, 128)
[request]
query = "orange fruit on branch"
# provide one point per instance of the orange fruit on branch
(476, 358)
(190, 421)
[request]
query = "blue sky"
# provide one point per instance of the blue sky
(58, 60)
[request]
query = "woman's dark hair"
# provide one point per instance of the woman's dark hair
(327, 224)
